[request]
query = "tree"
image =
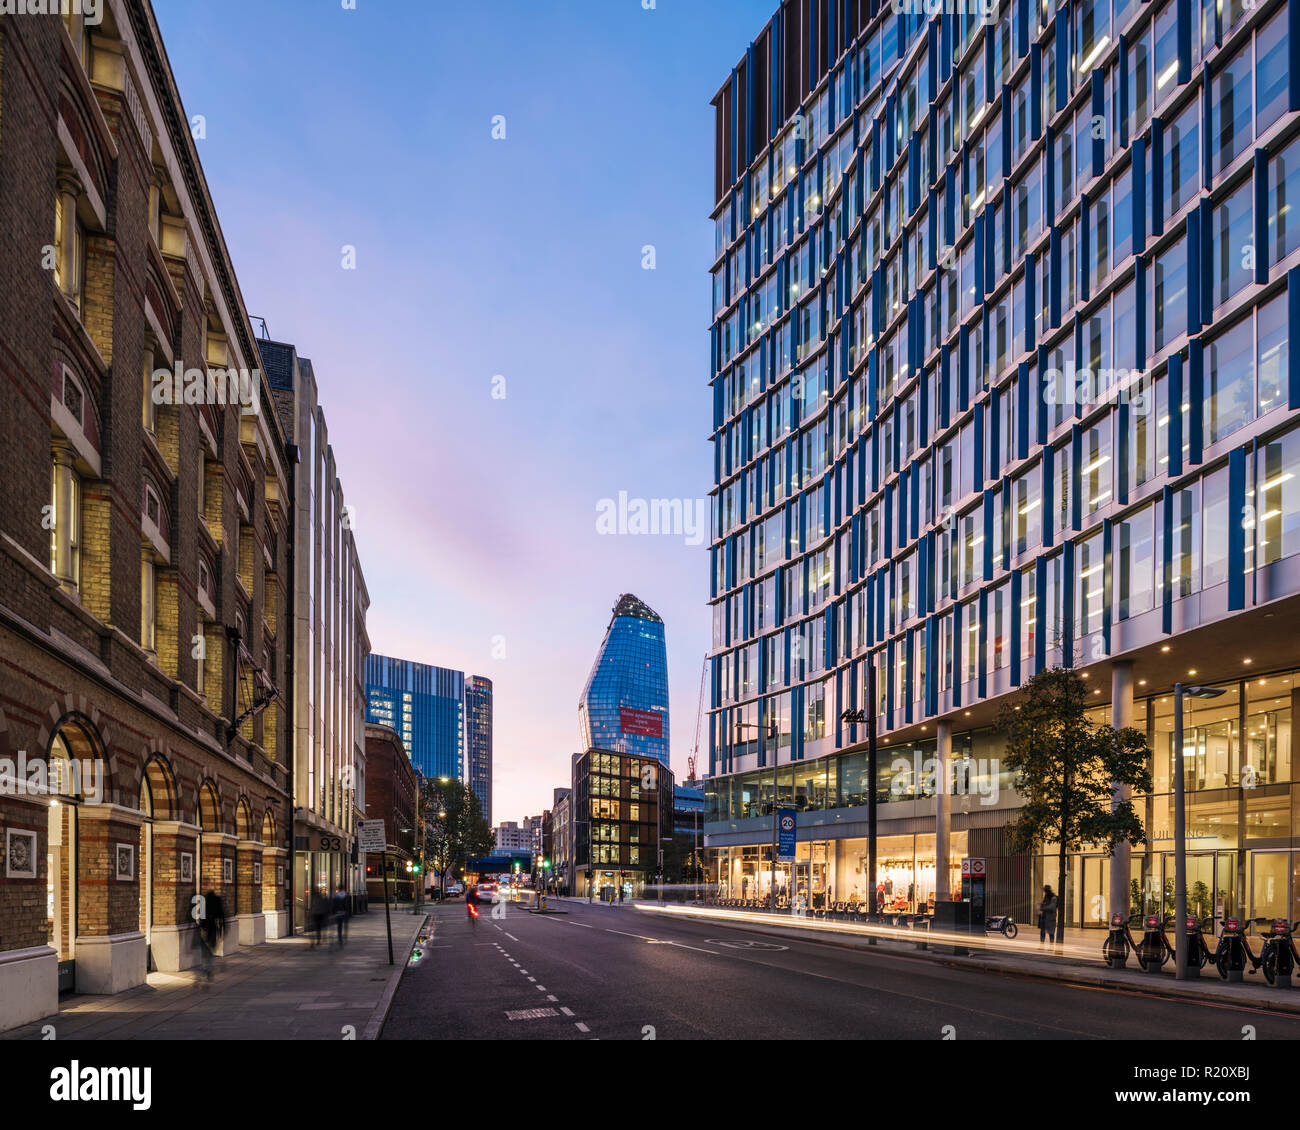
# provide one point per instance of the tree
(1067, 768)
(454, 827)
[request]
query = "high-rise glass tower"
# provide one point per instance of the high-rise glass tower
(1003, 297)
(426, 706)
(478, 714)
(624, 706)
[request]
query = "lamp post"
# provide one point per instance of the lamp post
(1180, 826)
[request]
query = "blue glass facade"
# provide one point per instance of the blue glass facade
(1002, 379)
(624, 706)
(426, 706)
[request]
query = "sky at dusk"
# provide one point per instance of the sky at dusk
(478, 259)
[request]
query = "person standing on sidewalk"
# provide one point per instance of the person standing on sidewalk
(212, 920)
(1047, 916)
(341, 912)
(320, 909)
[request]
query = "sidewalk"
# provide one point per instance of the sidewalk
(1080, 963)
(283, 989)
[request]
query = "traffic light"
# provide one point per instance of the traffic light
(408, 866)
(546, 864)
(416, 869)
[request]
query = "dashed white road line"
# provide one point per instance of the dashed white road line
(566, 1011)
(509, 935)
(582, 1027)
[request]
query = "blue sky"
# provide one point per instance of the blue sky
(478, 258)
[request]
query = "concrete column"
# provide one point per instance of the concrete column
(942, 812)
(1121, 716)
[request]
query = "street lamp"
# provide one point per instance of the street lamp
(1180, 827)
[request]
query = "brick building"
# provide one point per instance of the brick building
(392, 795)
(143, 536)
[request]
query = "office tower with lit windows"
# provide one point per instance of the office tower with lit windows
(425, 706)
(478, 718)
(1002, 382)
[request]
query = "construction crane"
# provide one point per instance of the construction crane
(693, 759)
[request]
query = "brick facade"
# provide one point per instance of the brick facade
(201, 494)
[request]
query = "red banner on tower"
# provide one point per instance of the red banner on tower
(649, 723)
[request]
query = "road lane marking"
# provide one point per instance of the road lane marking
(540, 988)
(627, 935)
(552, 997)
(532, 978)
(582, 1027)
(746, 944)
(509, 935)
(684, 946)
(566, 1011)
(530, 1013)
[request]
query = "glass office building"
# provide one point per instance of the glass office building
(426, 706)
(478, 714)
(1002, 382)
(624, 705)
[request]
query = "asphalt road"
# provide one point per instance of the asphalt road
(602, 972)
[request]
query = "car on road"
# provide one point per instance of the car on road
(489, 892)
(455, 890)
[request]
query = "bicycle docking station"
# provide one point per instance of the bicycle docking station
(1232, 951)
(1154, 949)
(1118, 942)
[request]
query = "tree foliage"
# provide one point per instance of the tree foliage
(1067, 767)
(455, 829)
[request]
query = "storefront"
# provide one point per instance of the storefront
(829, 871)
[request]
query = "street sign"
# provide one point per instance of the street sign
(972, 867)
(785, 832)
(370, 835)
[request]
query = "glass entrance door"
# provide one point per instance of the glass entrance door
(1270, 884)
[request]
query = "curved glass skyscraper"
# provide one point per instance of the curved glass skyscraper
(624, 705)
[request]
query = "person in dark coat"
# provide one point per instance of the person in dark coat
(341, 912)
(320, 909)
(1047, 916)
(212, 922)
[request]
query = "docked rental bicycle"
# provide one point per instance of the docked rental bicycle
(1279, 958)
(1003, 923)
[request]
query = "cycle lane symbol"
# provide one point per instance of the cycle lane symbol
(747, 944)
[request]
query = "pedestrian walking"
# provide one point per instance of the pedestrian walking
(620, 894)
(341, 913)
(320, 909)
(212, 921)
(1047, 916)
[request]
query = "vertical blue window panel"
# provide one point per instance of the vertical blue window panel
(1261, 216)
(957, 637)
(1048, 511)
(1017, 615)
(1036, 90)
(1293, 329)
(1139, 194)
(1184, 11)
(1076, 453)
(988, 536)
(1067, 604)
(1022, 409)
(1196, 401)
(1040, 612)
(1098, 111)
(1107, 581)
(1236, 529)
(1166, 563)
(1085, 230)
(931, 654)
(995, 430)
(1061, 43)
(1174, 379)
(983, 684)
(909, 676)
(1157, 177)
